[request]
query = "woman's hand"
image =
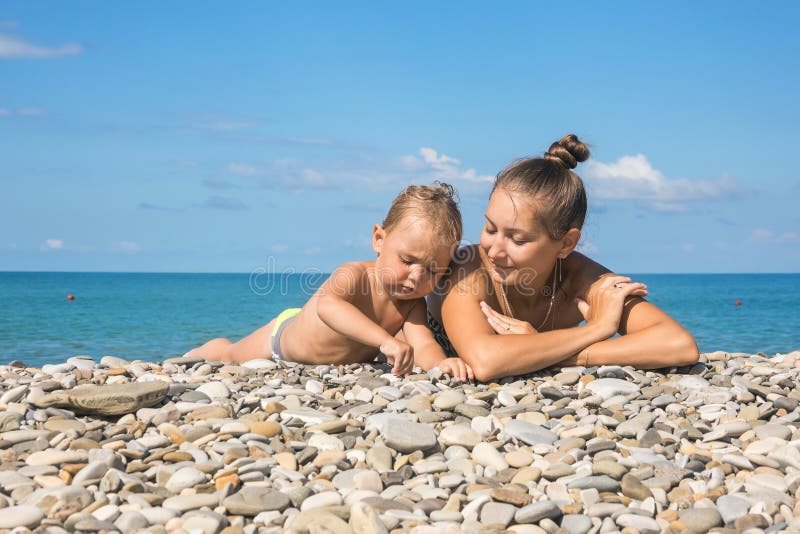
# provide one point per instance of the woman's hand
(399, 354)
(503, 324)
(457, 368)
(605, 302)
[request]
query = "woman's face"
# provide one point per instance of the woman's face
(519, 247)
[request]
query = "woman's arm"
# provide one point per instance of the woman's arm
(492, 356)
(649, 339)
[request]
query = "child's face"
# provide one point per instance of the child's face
(516, 242)
(411, 258)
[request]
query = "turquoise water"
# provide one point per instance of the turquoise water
(152, 316)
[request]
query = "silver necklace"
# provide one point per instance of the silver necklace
(556, 280)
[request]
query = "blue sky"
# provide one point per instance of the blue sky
(185, 136)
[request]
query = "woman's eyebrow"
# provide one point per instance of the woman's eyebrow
(511, 230)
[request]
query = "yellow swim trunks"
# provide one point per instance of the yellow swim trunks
(281, 321)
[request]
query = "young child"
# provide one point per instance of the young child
(368, 307)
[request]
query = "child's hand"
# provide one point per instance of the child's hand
(400, 354)
(457, 368)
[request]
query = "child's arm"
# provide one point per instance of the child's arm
(336, 309)
(427, 352)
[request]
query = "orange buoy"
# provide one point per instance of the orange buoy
(70, 297)
(738, 302)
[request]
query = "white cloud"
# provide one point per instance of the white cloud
(293, 174)
(634, 178)
(688, 247)
(8, 24)
(312, 251)
(15, 48)
(31, 112)
(278, 248)
(24, 112)
(768, 236)
(441, 167)
(128, 247)
(244, 169)
(52, 244)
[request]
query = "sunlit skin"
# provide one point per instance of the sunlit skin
(523, 259)
(364, 308)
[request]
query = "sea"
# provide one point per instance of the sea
(152, 316)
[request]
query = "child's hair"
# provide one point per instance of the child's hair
(550, 180)
(433, 203)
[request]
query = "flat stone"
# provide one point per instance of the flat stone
(643, 524)
(203, 521)
(529, 433)
(364, 520)
(632, 487)
(535, 512)
(267, 429)
(447, 400)
(183, 478)
(486, 455)
(382, 505)
(607, 388)
(516, 498)
(773, 430)
(107, 400)
(321, 500)
(308, 415)
(600, 483)
(576, 524)
(379, 458)
(630, 428)
(64, 498)
(131, 521)
(406, 436)
(215, 390)
(701, 519)
(459, 435)
(732, 507)
(612, 469)
(21, 516)
(252, 500)
(184, 503)
(56, 457)
(497, 513)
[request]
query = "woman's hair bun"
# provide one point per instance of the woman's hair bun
(569, 151)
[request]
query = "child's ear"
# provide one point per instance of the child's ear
(378, 235)
(569, 242)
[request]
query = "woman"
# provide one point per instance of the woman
(513, 304)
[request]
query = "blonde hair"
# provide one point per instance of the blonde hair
(433, 203)
(550, 180)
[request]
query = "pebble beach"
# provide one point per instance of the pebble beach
(189, 446)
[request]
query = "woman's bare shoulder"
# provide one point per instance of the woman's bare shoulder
(582, 272)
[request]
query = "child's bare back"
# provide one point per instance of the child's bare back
(309, 339)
